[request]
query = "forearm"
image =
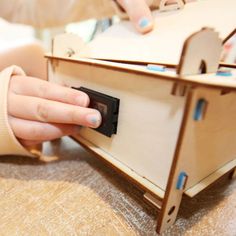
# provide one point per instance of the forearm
(30, 57)
(44, 13)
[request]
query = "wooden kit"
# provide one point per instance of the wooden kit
(174, 126)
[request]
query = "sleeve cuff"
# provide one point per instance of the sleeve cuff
(9, 145)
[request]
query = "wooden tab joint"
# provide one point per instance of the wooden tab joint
(182, 180)
(179, 89)
(200, 109)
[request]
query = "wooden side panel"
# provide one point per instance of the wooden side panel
(207, 142)
(149, 118)
(210, 142)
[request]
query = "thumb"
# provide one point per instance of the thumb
(139, 13)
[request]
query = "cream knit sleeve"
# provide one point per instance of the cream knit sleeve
(9, 145)
(49, 13)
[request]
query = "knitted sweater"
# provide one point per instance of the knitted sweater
(8, 143)
(41, 13)
(50, 13)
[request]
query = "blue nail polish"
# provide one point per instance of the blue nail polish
(94, 119)
(144, 22)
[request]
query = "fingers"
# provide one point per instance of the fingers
(43, 110)
(29, 143)
(34, 87)
(139, 13)
(27, 130)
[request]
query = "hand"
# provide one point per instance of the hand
(40, 111)
(139, 13)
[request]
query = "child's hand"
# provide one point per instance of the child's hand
(39, 111)
(139, 13)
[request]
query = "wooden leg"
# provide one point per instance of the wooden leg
(176, 182)
(172, 202)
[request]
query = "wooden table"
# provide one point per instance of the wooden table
(76, 194)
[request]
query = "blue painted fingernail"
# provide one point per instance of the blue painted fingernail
(94, 119)
(144, 22)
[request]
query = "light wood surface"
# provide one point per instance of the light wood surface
(208, 80)
(149, 129)
(78, 195)
(209, 144)
(151, 138)
(197, 57)
(149, 117)
(164, 44)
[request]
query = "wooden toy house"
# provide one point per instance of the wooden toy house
(169, 108)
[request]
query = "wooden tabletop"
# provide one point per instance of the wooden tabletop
(73, 193)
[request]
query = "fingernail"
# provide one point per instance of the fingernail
(94, 119)
(145, 25)
(144, 22)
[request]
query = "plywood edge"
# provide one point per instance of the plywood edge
(229, 36)
(191, 192)
(115, 66)
(173, 196)
(145, 184)
(197, 80)
(224, 64)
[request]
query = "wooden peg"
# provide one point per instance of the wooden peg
(69, 45)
